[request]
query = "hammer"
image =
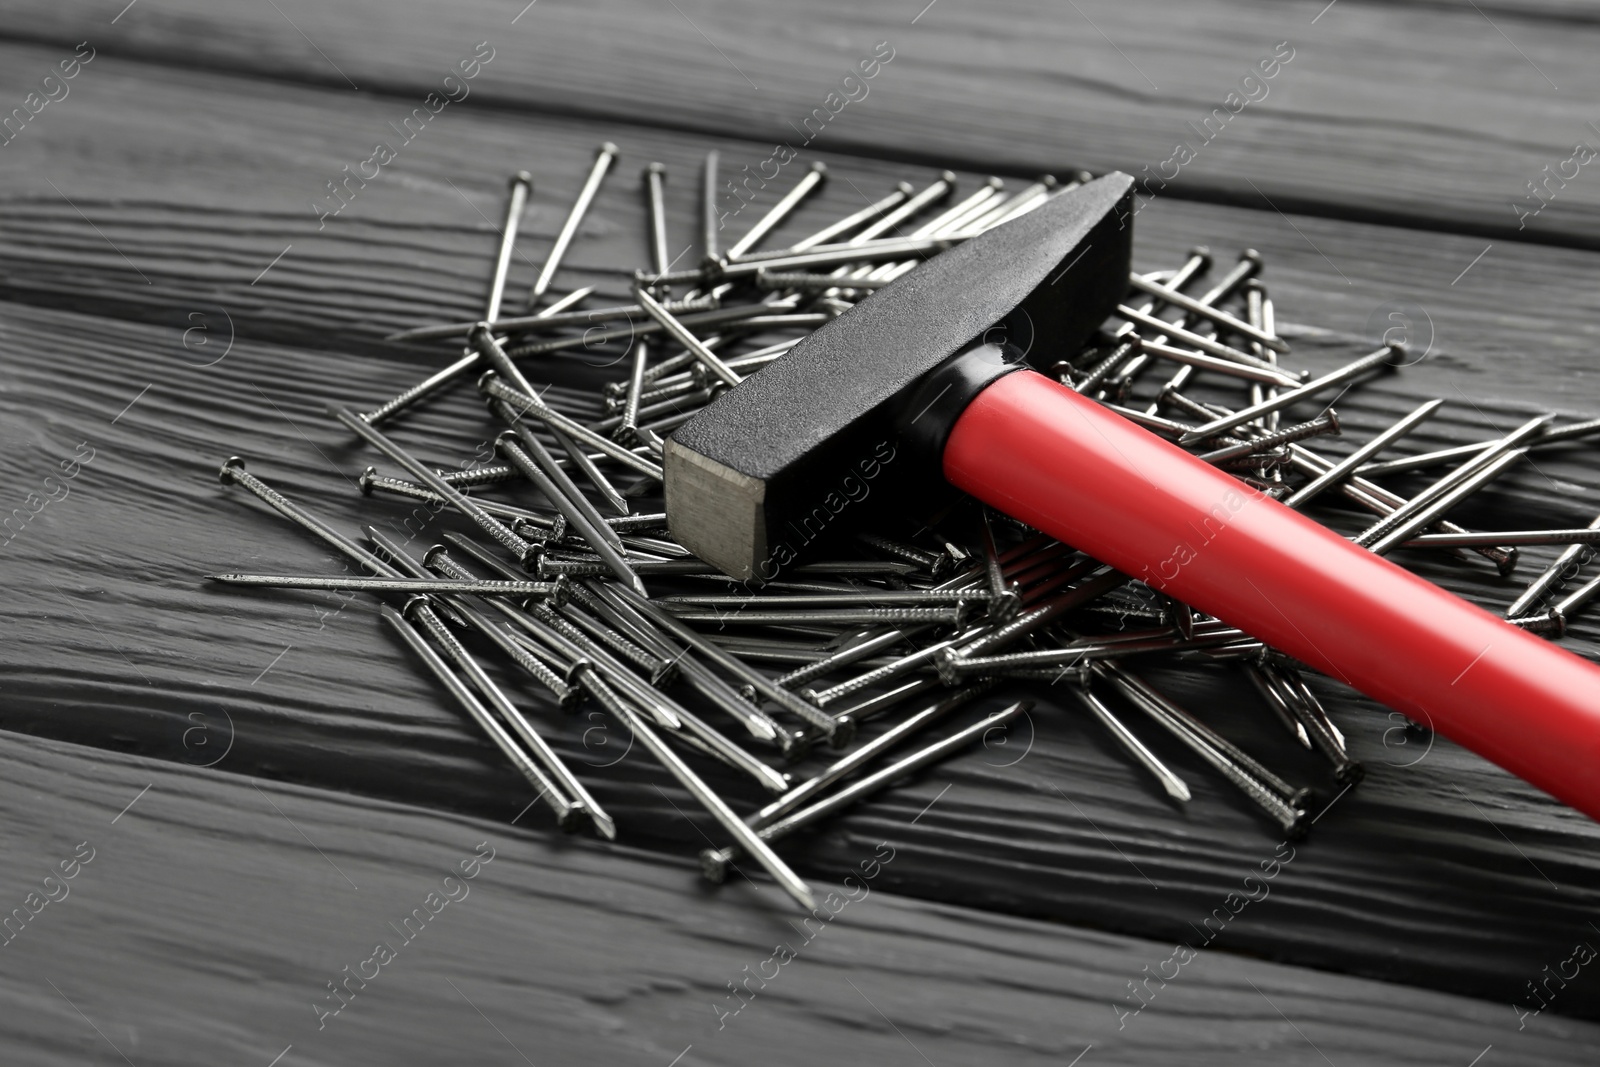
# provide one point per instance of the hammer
(929, 376)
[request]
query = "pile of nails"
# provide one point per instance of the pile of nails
(579, 586)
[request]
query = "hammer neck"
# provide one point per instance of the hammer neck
(929, 411)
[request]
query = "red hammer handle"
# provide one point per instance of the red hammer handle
(1067, 466)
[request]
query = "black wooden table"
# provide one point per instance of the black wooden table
(252, 791)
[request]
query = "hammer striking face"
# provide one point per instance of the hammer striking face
(807, 429)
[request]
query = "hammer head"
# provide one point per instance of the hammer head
(795, 448)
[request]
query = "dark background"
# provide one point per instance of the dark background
(167, 296)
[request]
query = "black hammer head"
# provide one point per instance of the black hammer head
(816, 427)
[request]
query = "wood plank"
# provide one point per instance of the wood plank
(114, 641)
(1430, 115)
(416, 244)
(344, 709)
(215, 911)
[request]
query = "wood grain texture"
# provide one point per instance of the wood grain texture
(1424, 115)
(111, 642)
(225, 172)
(215, 910)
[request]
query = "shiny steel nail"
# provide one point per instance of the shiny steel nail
(386, 585)
(1306, 493)
(1404, 522)
(1383, 357)
(1199, 309)
(523, 731)
(874, 210)
(1380, 501)
(742, 834)
(1271, 793)
(628, 428)
(655, 176)
(951, 616)
(781, 210)
(430, 478)
(936, 191)
(519, 405)
(538, 466)
(568, 814)
(1326, 423)
(233, 473)
(1232, 368)
(1303, 705)
(520, 186)
(1551, 436)
(1552, 575)
(370, 480)
(552, 318)
(710, 218)
(680, 333)
(1175, 787)
(1156, 326)
(580, 207)
(464, 614)
(714, 862)
(865, 753)
(1277, 704)
(763, 685)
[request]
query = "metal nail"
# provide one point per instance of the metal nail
(469, 361)
(553, 318)
(1277, 703)
(1200, 309)
(1380, 501)
(937, 190)
(655, 176)
(781, 210)
(763, 685)
(370, 480)
(861, 755)
(580, 207)
(539, 467)
(1251, 372)
(568, 814)
(1271, 793)
(430, 478)
(1205, 344)
(847, 597)
(680, 333)
(742, 834)
(386, 585)
(714, 862)
(520, 185)
(1175, 787)
(1432, 503)
(465, 615)
(1551, 436)
(524, 732)
(1384, 357)
(1304, 706)
(1306, 493)
(710, 218)
(628, 428)
(519, 404)
(1326, 423)
(233, 472)
(950, 616)
(784, 281)
(1552, 575)
(874, 210)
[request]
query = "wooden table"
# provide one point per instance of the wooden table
(267, 786)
